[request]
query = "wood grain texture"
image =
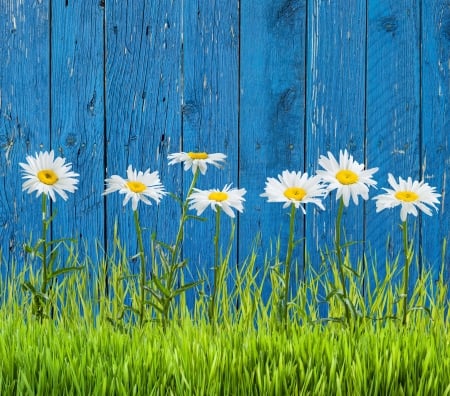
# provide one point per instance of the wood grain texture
(272, 107)
(435, 111)
(335, 111)
(210, 112)
(143, 106)
(393, 114)
(24, 119)
(77, 117)
(272, 84)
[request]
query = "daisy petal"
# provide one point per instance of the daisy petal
(410, 195)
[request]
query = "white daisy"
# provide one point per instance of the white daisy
(197, 160)
(139, 186)
(348, 177)
(293, 188)
(227, 199)
(410, 195)
(49, 175)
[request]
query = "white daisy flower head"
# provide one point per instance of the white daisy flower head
(295, 188)
(410, 195)
(138, 186)
(347, 176)
(196, 160)
(227, 199)
(48, 175)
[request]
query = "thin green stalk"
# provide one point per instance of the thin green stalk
(184, 216)
(142, 278)
(213, 302)
(408, 257)
(45, 224)
(287, 270)
(340, 259)
(175, 252)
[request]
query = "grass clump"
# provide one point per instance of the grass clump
(92, 347)
(195, 358)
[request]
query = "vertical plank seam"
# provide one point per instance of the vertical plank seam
(181, 93)
(238, 244)
(105, 134)
(305, 129)
(365, 150)
(50, 86)
(421, 148)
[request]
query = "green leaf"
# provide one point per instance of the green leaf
(28, 248)
(131, 309)
(181, 264)
(64, 271)
(186, 287)
(165, 245)
(176, 198)
(28, 286)
(420, 308)
(155, 294)
(193, 217)
(161, 287)
(354, 272)
(157, 307)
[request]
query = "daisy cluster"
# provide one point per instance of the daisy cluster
(52, 176)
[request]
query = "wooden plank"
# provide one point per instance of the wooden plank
(272, 106)
(393, 113)
(24, 119)
(335, 111)
(78, 117)
(435, 125)
(143, 108)
(210, 109)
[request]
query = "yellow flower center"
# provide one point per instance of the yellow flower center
(136, 186)
(295, 193)
(346, 177)
(406, 196)
(47, 176)
(218, 196)
(197, 156)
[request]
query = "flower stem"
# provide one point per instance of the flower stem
(213, 302)
(340, 259)
(39, 300)
(184, 211)
(45, 224)
(287, 270)
(408, 257)
(142, 279)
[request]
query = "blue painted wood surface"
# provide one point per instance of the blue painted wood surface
(77, 117)
(393, 114)
(435, 122)
(272, 120)
(142, 82)
(24, 118)
(273, 84)
(210, 116)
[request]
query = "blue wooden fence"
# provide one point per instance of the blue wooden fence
(271, 83)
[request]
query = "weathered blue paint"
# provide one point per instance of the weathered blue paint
(273, 84)
(435, 118)
(77, 116)
(142, 76)
(335, 114)
(393, 113)
(210, 114)
(24, 118)
(272, 130)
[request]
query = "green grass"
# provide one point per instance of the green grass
(196, 358)
(91, 343)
